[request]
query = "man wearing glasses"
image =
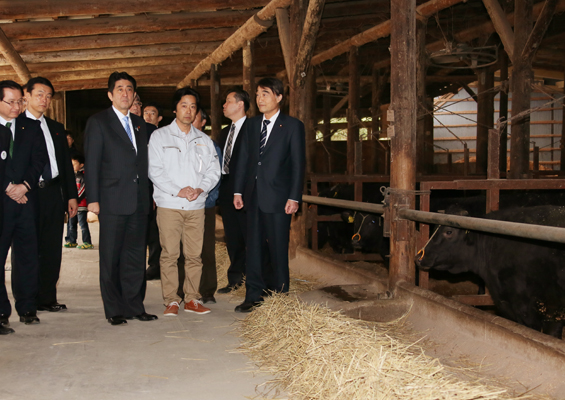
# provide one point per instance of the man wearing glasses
(27, 157)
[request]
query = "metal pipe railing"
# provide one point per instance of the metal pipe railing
(530, 231)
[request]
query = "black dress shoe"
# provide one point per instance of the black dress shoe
(228, 289)
(5, 330)
(4, 320)
(247, 307)
(117, 320)
(29, 318)
(145, 317)
(208, 299)
(54, 307)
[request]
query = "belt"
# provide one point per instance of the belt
(50, 182)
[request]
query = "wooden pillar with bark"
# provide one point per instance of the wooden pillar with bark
(485, 116)
(562, 145)
(402, 131)
(503, 110)
(353, 149)
(327, 132)
(425, 106)
(249, 76)
(297, 94)
(57, 108)
(522, 77)
(215, 108)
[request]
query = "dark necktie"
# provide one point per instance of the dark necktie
(11, 150)
(228, 149)
(263, 137)
(128, 130)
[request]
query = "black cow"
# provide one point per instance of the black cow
(335, 233)
(526, 278)
(368, 233)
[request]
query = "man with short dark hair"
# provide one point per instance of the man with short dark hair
(27, 157)
(235, 107)
(184, 168)
(152, 114)
(136, 106)
(269, 182)
(57, 193)
(118, 192)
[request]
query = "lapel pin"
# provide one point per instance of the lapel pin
(280, 126)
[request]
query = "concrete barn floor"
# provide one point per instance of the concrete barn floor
(77, 354)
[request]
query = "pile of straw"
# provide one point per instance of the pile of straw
(298, 284)
(316, 353)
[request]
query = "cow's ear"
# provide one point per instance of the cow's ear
(469, 237)
(348, 217)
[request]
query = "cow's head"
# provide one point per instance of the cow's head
(367, 228)
(449, 249)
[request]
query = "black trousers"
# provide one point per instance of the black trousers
(122, 262)
(209, 278)
(50, 235)
(20, 232)
(235, 230)
(153, 244)
(266, 273)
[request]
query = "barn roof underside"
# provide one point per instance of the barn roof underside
(77, 44)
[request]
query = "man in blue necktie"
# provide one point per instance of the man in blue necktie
(118, 192)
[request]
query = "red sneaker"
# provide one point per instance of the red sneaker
(196, 306)
(172, 309)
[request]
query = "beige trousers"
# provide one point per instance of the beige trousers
(174, 226)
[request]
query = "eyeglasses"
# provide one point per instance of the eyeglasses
(137, 103)
(14, 102)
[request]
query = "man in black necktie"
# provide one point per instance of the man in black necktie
(26, 159)
(118, 192)
(269, 182)
(235, 107)
(57, 193)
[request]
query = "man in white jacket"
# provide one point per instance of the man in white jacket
(184, 167)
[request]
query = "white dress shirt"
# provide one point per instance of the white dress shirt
(121, 118)
(49, 143)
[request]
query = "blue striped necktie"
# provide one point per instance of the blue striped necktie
(128, 130)
(263, 136)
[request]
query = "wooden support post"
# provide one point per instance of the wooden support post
(297, 93)
(536, 158)
(283, 25)
(403, 109)
(449, 162)
(485, 117)
(493, 171)
(327, 131)
(522, 77)
(308, 40)
(377, 155)
(56, 109)
(466, 166)
(310, 121)
(353, 111)
(562, 145)
(249, 75)
(423, 104)
(215, 108)
(503, 113)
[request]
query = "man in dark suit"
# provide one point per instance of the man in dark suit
(5, 139)
(118, 192)
(235, 107)
(26, 158)
(57, 193)
(269, 181)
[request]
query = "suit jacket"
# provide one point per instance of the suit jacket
(5, 134)
(222, 141)
(278, 174)
(29, 155)
(63, 157)
(114, 171)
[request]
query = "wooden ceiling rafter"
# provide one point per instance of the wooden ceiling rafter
(14, 58)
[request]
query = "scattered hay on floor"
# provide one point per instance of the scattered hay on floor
(298, 284)
(316, 353)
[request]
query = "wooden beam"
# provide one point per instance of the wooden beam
(308, 40)
(252, 28)
(353, 112)
(470, 91)
(502, 26)
(14, 58)
(249, 75)
(485, 117)
(173, 49)
(33, 9)
(142, 23)
(177, 70)
(122, 40)
(283, 25)
(539, 30)
(503, 110)
(142, 81)
(383, 29)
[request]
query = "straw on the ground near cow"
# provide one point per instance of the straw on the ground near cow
(316, 353)
(298, 284)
